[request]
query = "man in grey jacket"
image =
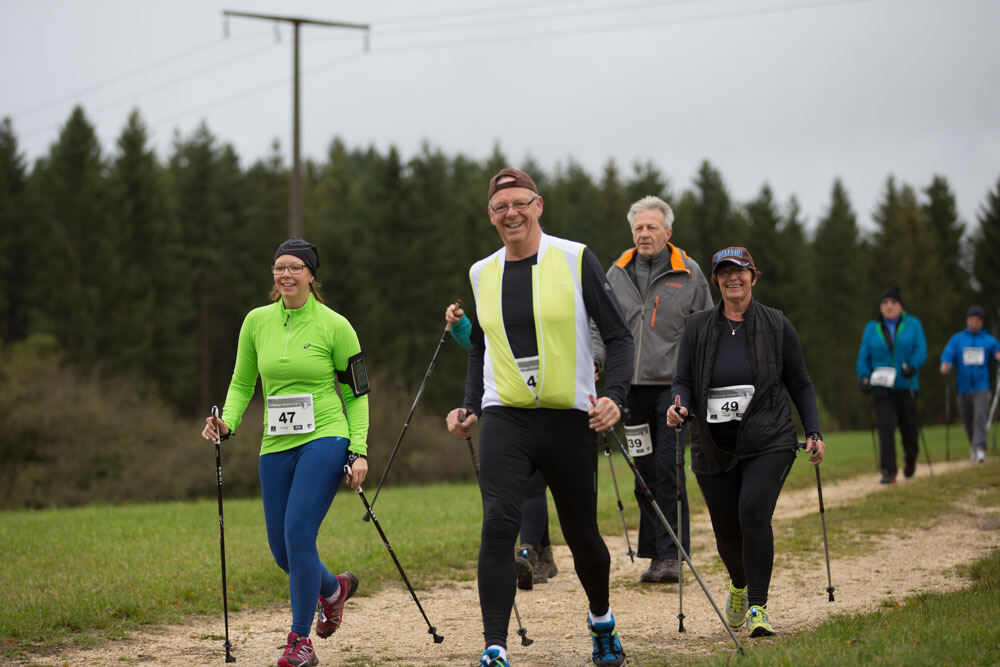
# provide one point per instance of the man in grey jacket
(658, 287)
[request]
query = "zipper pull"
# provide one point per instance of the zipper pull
(656, 304)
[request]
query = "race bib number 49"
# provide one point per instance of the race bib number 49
(726, 404)
(290, 415)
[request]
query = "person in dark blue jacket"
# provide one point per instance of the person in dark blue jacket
(893, 349)
(969, 353)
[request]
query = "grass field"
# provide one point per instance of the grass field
(90, 574)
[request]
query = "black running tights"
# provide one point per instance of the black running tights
(513, 443)
(741, 503)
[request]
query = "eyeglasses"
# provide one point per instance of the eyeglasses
(294, 269)
(731, 269)
(519, 206)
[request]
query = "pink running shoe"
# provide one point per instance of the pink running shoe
(332, 613)
(298, 652)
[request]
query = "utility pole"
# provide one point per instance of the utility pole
(295, 207)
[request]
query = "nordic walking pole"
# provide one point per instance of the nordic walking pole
(475, 466)
(679, 449)
(947, 420)
(222, 533)
(406, 424)
(618, 497)
(822, 518)
(368, 509)
(878, 466)
(920, 431)
(670, 531)
(993, 411)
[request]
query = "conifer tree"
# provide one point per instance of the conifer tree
(986, 257)
(16, 250)
(941, 214)
(842, 305)
(79, 263)
(138, 212)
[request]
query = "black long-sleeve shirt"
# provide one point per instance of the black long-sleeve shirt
(518, 318)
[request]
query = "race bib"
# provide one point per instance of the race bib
(973, 356)
(883, 376)
(290, 415)
(528, 366)
(639, 441)
(727, 404)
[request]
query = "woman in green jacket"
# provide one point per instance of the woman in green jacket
(301, 349)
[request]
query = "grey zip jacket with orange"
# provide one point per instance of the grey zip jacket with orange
(657, 321)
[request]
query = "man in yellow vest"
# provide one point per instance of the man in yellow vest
(531, 381)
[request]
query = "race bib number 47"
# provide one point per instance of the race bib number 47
(290, 415)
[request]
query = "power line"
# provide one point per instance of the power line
(183, 78)
(243, 94)
(603, 28)
(554, 33)
(122, 77)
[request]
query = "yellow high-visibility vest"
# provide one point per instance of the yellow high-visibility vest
(565, 372)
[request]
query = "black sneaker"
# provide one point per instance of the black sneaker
(888, 477)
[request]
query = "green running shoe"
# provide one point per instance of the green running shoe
(736, 606)
(757, 622)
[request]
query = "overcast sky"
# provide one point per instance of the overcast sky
(790, 92)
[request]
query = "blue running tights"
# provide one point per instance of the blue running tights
(298, 486)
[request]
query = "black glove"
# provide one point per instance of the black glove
(907, 371)
(863, 383)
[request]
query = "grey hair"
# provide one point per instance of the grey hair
(652, 203)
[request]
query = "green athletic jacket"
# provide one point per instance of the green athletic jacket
(299, 352)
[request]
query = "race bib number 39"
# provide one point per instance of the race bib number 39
(290, 415)
(726, 404)
(639, 441)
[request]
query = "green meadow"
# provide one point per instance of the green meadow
(90, 574)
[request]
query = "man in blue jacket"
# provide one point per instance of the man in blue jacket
(969, 353)
(893, 349)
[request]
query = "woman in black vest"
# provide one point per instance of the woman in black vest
(735, 364)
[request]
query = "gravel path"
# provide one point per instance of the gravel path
(387, 628)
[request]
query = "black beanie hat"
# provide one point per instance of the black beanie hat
(302, 249)
(976, 311)
(892, 293)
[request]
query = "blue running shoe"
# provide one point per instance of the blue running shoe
(491, 658)
(607, 648)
